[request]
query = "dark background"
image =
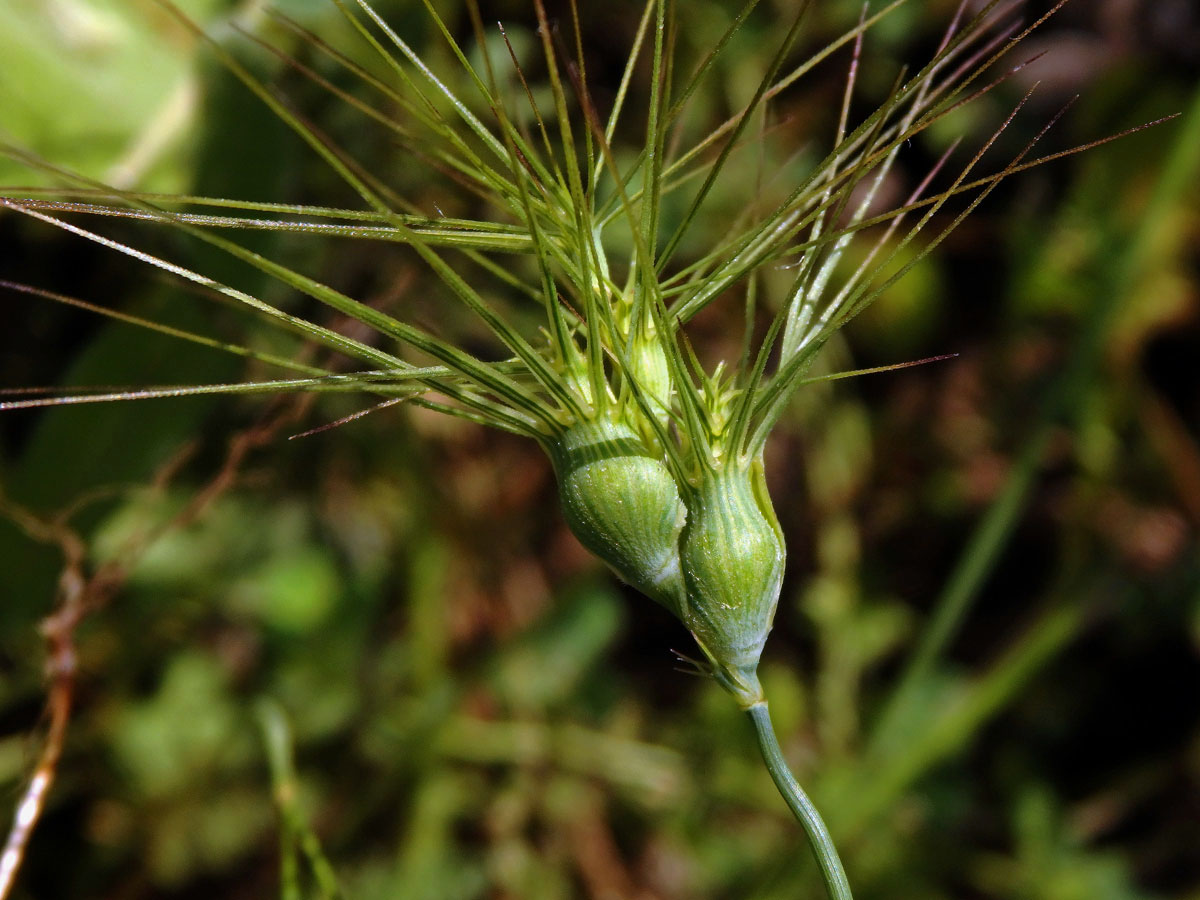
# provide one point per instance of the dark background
(477, 708)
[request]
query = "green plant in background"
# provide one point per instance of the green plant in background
(659, 457)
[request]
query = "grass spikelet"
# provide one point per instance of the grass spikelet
(658, 453)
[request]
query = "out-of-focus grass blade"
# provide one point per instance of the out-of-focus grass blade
(991, 536)
(295, 832)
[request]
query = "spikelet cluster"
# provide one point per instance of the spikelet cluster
(659, 460)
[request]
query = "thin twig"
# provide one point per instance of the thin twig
(80, 593)
(77, 593)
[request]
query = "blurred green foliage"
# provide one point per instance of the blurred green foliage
(461, 703)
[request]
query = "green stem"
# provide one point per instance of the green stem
(836, 885)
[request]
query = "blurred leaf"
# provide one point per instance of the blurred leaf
(188, 729)
(545, 667)
(99, 86)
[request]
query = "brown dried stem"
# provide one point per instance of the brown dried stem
(81, 593)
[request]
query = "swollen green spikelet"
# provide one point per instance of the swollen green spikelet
(732, 552)
(624, 505)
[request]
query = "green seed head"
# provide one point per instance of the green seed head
(732, 553)
(623, 505)
(716, 562)
(648, 365)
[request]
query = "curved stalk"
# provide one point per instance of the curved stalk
(836, 885)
